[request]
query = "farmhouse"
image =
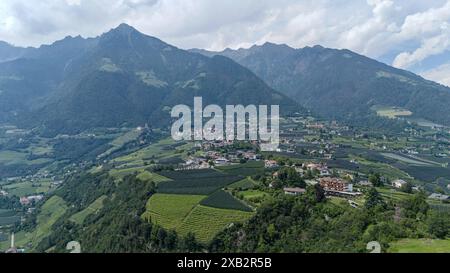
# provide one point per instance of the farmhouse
(294, 191)
(398, 183)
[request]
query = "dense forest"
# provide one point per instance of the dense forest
(310, 223)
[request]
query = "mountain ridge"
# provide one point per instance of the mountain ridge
(341, 84)
(121, 78)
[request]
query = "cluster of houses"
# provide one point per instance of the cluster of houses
(332, 187)
(26, 201)
(215, 158)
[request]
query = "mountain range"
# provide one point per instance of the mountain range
(126, 78)
(341, 84)
(121, 78)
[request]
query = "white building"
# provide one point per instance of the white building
(294, 191)
(398, 183)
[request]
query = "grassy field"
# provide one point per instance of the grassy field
(169, 210)
(206, 222)
(28, 188)
(18, 158)
(249, 194)
(420, 246)
(95, 207)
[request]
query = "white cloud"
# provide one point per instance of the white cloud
(431, 46)
(431, 28)
(441, 74)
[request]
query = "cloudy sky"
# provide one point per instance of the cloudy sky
(409, 34)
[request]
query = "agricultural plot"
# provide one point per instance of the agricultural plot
(392, 112)
(169, 210)
(93, 208)
(8, 217)
(201, 182)
(247, 169)
(391, 194)
(206, 222)
(425, 173)
(161, 150)
(390, 171)
(408, 160)
(224, 200)
(10, 158)
(420, 246)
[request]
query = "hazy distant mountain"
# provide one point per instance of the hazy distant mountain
(340, 83)
(122, 77)
(9, 52)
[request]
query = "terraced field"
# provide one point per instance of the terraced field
(206, 222)
(183, 214)
(169, 210)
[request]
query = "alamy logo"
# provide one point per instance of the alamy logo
(237, 123)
